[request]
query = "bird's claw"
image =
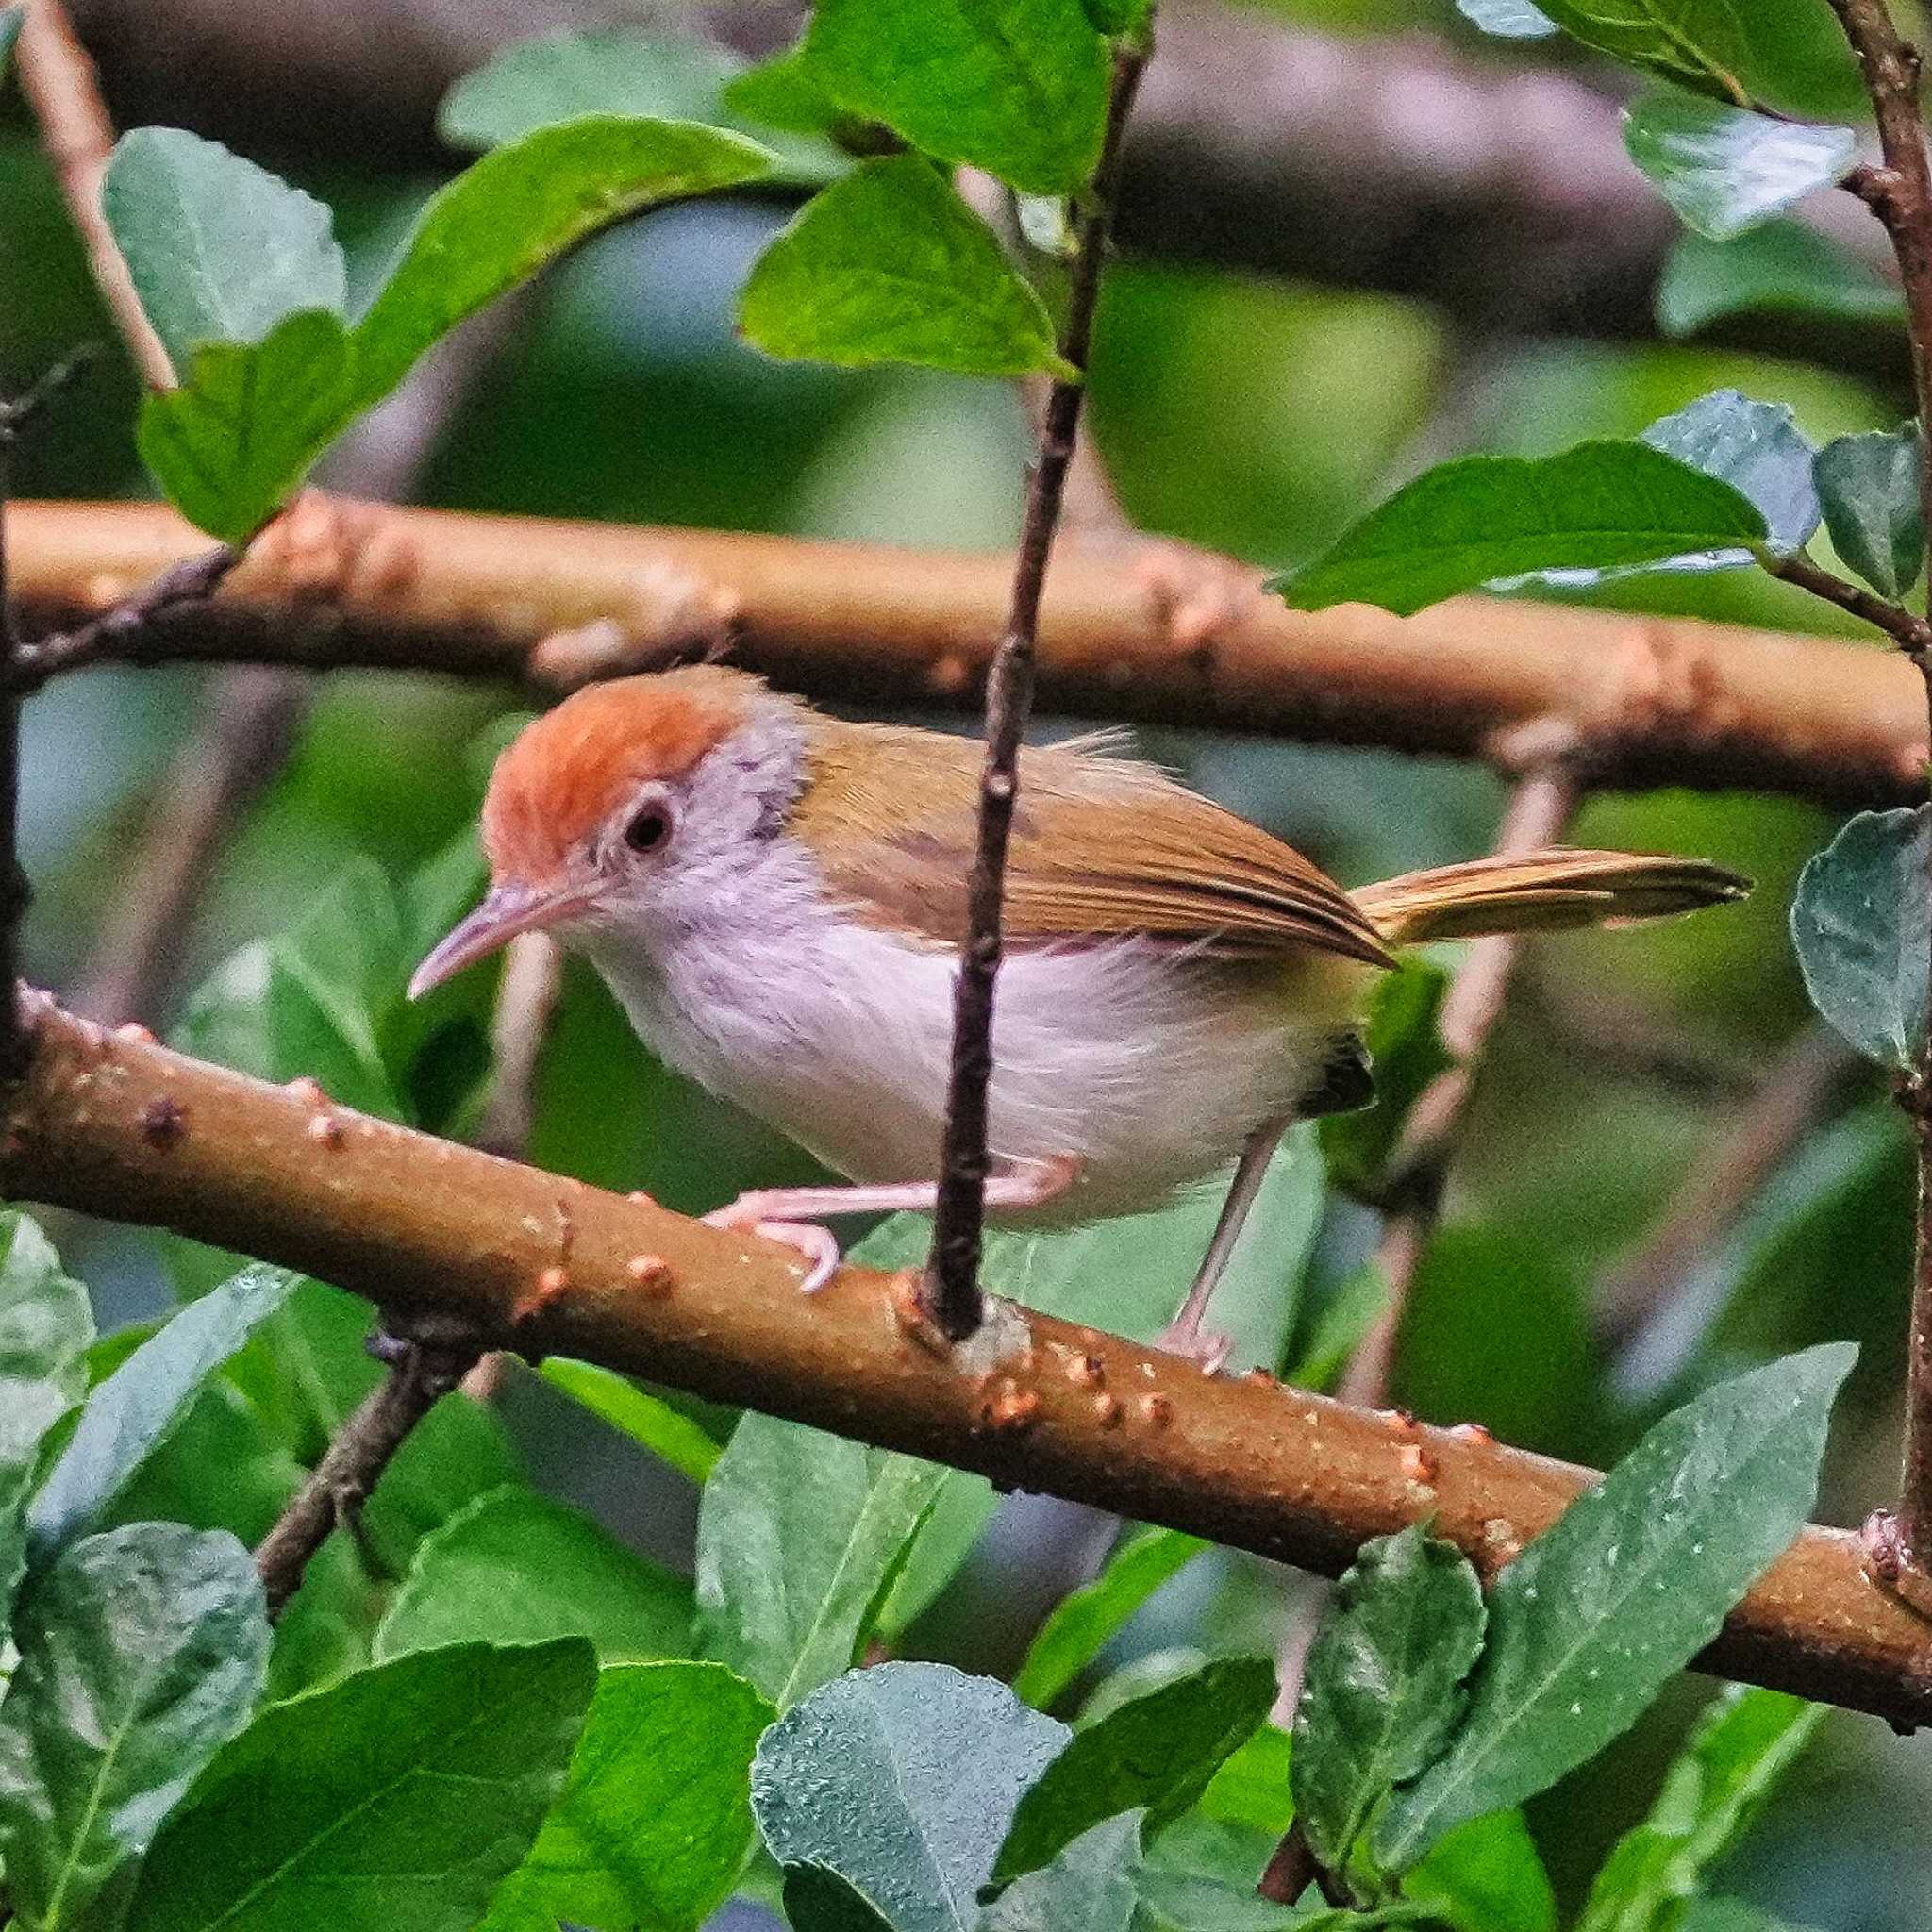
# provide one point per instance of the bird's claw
(819, 1245)
(1207, 1352)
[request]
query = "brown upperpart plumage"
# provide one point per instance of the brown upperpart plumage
(1102, 846)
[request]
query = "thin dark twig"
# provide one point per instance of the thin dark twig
(13, 885)
(256, 712)
(421, 1373)
(1294, 1868)
(1900, 194)
(116, 633)
(1912, 633)
(952, 1282)
(1803, 1087)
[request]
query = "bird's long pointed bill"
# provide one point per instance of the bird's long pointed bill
(506, 911)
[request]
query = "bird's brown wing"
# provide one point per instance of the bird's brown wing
(1102, 848)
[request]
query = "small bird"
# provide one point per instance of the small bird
(778, 899)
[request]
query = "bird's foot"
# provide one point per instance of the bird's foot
(1188, 1340)
(750, 1214)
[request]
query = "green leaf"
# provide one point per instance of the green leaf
(800, 1535)
(400, 1796)
(1783, 268)
(817, 1900)
(890, 265)
(648, 1419)
(1868, 488)
(45, 1327)
(1861, 921)
(1353, 1307)
(1745, 1742)
(1485, 1876)
(317, 999)
(219, 250)
(1510, 20)
(1187, 1902)
(11, 20)
(1016, 87)
(654, 1817)
(1087, 1620)
(513, 1567)
(781, 92)
(134, 1410)
(563, 76)
(1467, 523)
(233, 443)
(1698, 44)
(1384, 1684)
(1726, 169)
(901, 1780)
(1087, 1887)
(1252, 1787)
(220, 1468)
(1479, 1289)
(1155, 1753)
(1728, 1915)
(521, 206)
(1596, 1615)
(1757, 448)
(1407, 1053)
(141, 1651)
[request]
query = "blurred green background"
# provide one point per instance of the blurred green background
(1251, 415)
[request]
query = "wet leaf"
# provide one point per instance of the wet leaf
(141, 1651)
(1868, 488)
(1861, 920)
(901, 1780)
(1726, 169)
(1603, 1608)
(1384, 1684)
(134, 1410)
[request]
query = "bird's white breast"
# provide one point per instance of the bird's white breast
(1148, 1068)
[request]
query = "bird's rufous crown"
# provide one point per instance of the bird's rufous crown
(567, 772)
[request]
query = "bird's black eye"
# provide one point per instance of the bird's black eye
(648, 828)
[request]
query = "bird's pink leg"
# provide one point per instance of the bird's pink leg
(780, 1214)
(1184, 1335)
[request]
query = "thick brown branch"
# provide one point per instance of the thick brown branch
(338, 585)
(958, 1219)
(421, 1374)
(546, 1264)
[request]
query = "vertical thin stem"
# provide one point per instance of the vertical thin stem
(1900, 194)
(1915, 1482)
(13, 887)
(952, 1293)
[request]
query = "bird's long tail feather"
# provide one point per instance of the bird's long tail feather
(1543, 892)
